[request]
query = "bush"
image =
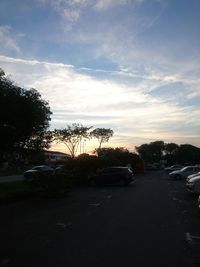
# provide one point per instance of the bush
(51, 184)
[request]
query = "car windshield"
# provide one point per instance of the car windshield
(40, 168)
(187, 169)
(37, 168)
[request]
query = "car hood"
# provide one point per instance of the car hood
(194, 179)
(175, 172)
(29, 171)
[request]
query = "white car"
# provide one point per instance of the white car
(193, 185)
(199, 201)
(184, 172)
(192, 176)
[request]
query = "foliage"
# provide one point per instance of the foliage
(173, 153)
(171, 148)
(188, 154)
(14, 190)
(72, 136)
(81, 166)
(51, 184)
(118, 156)
(151, 152)
(25, 117)
(102, 134)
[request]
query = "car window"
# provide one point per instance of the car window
(41, 168)
(37, 168)
(113, 170)
(188, 169)
(108, 171)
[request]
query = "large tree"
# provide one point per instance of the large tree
(151, 152)
(24, 117)
(188, 154)
(102, 134)
(171, 148)
(72, 136)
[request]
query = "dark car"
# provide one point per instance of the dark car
(37, 169)
(112, 175)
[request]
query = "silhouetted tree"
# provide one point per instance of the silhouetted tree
(102, 134)
(117, 156)
(171, 148)
(24, 117)
(72, 136)
(151, 152)
(188, 154)
(171, 152)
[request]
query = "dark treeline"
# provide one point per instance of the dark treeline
(171, 152)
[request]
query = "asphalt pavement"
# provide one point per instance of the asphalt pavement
(11, 178)
(152, 223)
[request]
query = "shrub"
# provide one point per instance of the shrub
(51, 184)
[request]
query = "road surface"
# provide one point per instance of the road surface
(11, 178)
(149, 224)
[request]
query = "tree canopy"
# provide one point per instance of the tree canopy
(173, 153)
(72, 136)
(24, 117)
(102, 134)
(151, 152)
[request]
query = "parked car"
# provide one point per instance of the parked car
(193, 185)
(37, 169)
(173, 168)
(192, 176)
(184, 172)
(112, 175)
(199, 201)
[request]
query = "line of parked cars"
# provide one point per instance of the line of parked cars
(191, 175)
(184, 172)
(112, 175)
(109, 175)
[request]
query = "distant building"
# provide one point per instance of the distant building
(54, 156)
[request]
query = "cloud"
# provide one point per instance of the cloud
(102, 5)
(130, 110)
(71, 10)
(8, 40)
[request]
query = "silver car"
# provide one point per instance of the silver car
(173, 168)
(193, 185)
(199, 201)
(184, 172)
(37, 169)
(192, 176)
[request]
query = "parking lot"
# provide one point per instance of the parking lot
(153, 222)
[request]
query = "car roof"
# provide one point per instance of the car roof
(40, 166)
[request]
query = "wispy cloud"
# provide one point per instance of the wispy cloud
(71, 10)
(102, 5)
(8, 40)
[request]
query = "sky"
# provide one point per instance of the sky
(129, 65)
